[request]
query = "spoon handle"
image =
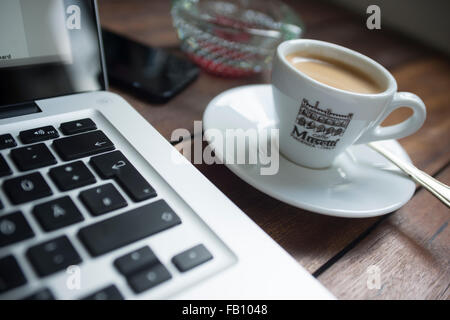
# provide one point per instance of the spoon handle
(437, 188)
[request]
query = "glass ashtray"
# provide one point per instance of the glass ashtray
(234, 38)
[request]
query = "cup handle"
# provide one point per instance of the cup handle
(402, 129)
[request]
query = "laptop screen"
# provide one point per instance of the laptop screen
(48, 48)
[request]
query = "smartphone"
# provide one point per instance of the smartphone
(152, 73)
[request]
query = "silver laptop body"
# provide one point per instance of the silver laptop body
(95, 202)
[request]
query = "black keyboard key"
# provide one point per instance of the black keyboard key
(191, 258)
(109, 293)
(78, 126)
(43, 294)
(5, 170)
(149, 278)
(136, 186)
(53, 256)
(14, 228)
(83, 145)
(114, 165)
(32, 157)
(38, 134)
(57, 214)
(11, 276)
(26, 188)
(7, 141)
(71, 176)
(126, 228)
(103, 199)
(111, 164)
(136, 261)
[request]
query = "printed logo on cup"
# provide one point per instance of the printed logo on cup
(319, 128)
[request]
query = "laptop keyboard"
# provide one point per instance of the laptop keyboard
(141, 268)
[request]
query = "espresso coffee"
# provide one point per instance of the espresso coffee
(333, 73)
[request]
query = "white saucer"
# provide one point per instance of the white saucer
(361, 183)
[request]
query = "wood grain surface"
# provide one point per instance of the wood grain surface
(410, 246)
(411, 250)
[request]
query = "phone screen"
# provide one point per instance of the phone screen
(152, 72)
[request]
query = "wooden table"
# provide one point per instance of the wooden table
(411, 247)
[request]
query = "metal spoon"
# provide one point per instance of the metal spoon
(438, 189)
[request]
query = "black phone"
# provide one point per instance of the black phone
(152, 73)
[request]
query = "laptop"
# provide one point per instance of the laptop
(93, 205)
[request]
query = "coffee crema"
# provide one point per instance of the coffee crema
(333, 73)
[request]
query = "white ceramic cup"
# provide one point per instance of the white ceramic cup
(317, 122)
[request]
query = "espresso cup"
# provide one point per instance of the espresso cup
(317, 122)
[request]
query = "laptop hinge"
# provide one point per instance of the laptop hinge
(20, 109)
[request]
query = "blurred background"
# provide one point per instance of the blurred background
(234, 45)
(237, 37)
(426, 21)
